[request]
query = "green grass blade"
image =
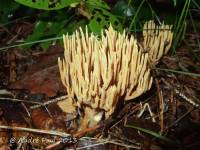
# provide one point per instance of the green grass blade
(180, 72)
(195, 29)
(135, 16)
(29, 43)
(157, 135)
(180, 26)
(14, 21)
(196, 4)
(153, 13)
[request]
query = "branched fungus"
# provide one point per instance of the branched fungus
(98, 72)
(157, 40)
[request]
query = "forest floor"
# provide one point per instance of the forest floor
(166, 117)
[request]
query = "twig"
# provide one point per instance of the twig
(50, 132)
(107, 141)
(50, 101)
(161, 104)
(102, 141)
(123, 116)
(179, 119)
(179, 93)
(47, 110)
(116, 142)
(83, 132)
(65, 135)
(133, 141)
(146, 105)
(20, 100)
(133, 110)
(26, 109)
(76, 135)
(38, 104)
(93, 145)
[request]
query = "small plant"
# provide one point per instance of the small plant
(58, 17)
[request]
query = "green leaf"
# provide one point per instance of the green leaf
(7, 7)
(72, 26)
(100, 16)
(38, 32)
(102, 20)
(174, 1)
(44, 29)
(53, 28)
(123, 9)
(45, 45)
(48, 4)
(54, 16)
(98, 4)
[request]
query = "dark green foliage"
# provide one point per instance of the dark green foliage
(45, 29)
(123, 9)
(48, 4)
(7, 8)
(57, 17)
(180, 24)
(102, 19)
(55, 23)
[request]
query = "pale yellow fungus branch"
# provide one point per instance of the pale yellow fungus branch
(98, 72)
(157, 40)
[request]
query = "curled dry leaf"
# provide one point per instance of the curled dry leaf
(42, 73)
(42, 120)
(98, 72)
